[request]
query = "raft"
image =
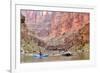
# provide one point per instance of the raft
(67, 54)
(40, 56)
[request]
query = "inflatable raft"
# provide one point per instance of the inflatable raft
(40, 56)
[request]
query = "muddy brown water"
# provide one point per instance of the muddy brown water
(75, 56)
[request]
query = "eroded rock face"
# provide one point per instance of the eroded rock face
(54, 23)
(67, 21)
(65, 28)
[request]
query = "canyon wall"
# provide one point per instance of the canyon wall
(49, 23)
